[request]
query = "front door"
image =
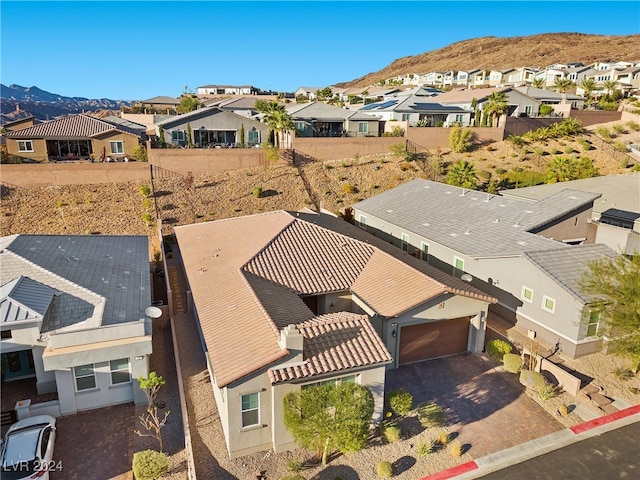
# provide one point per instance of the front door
(17, 365)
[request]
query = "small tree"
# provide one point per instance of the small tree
(152, 421)
(460, 139)
(242, 143)
(329, 417)
(161, 135)
(188, 103)
(139, 153)
(189, 136)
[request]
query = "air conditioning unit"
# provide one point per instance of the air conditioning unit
(531, 334)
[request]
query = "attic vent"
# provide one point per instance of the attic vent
(468, 232)
(453, 234)
(496, 220)
(516, 225)
(528, 211)
(426, 224)
(521, 242)
(573, 198)
(389, 211)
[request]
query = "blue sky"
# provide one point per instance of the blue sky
(137, 50)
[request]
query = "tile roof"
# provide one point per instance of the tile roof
(539, 93)
(567, 265)
(72, 126)
(332, 343)
(474, 223)
(258, 282)
(320, 111)
(468, 94)
(107, 274)
(162, 100)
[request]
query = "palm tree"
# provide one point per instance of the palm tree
(538, 82)
(462, 174)
(561, 169)
(562, 84)
(609, 86)
(495, 106)
(276, 116)
(588, 85)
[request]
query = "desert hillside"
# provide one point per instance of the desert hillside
(501, 53)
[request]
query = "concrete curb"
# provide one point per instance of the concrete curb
(519, 453)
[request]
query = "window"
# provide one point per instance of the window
(177, 136)
(363, 127)
(527, 294)
(548, 304)
(25, 146)
(300, 126)
(120, 371)
(404, 242)
(594, 323)
(85, 377)
(458, 264)
(117, 147)
(5, 334)
(362, 221)
(424, 252)
(334, 381)
(250, 409)
(406, 116)
(528, 109)
(459, 118)
(254, 137)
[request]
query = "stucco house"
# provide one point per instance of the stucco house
(212, 127)
(547, 97)
(228, 90)
(300, 302)
(73, 318)
(511, 248)
(317, 119)
(308, 92)
(417, 109)
(74, 137)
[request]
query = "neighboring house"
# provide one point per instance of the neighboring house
(300, 301)
(73, 317)
(616, 214)
(518, 103)
(243, 106)
(317, 119)
(11, 123)
(309, 92)
(547, 97)
(419, 110)
(228, 90)
(212, 127)
(494, 239)
(628, 79)
(74, 137)
(550, 75)
(478, 78)
(159, 104)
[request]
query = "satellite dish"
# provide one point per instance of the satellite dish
(466, 277)
(153, 312)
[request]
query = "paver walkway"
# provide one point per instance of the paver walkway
(488, 409)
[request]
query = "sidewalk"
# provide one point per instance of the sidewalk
(520, 453)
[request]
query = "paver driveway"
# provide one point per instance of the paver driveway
(487, 408)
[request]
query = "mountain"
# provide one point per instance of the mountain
(501, 53)
(44, 105)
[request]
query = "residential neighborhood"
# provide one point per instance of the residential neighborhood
(430, 276)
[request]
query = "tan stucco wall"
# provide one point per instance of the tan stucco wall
(29, 175)
(337, 148)
(572, 227)
(130, 141)
(438, 137)
(206, 160)
(39, 149)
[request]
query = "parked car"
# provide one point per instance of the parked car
(27, 449)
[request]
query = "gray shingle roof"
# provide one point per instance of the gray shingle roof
(474, 223)
(72, 126)
(107, 274)
(567, 265)
(24, 299)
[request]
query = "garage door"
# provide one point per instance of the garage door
(435, 339)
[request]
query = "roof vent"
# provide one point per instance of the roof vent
(497, 220)
(468, 232)
(517, 224)
(426, 224)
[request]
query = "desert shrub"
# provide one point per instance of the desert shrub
(348, 188)
(391, 432)
(604, 132)
(293, 477)
(545, 110)
(517, 140)
(460, 139)
(456, 449)
(384, 469)
(139, 153)
(426, 448)
(398, 150)
(257, 191)
(635, 126)
(512, 362)
(548, 391)
(496, 349)
(620, 146)
(624, 163)
(532, 379)
(430, 415)
(554, 151)
(564, 410)
(400, 401)
(146, 203)
(623, 373)
(539, 151)
(618, 128)
(147, 218)
(404, 166)
(491, 148)
(584, 143)
(145, 190)
(608, 106)
(501, 171)
(568, 149)
(295, 466)
(444, 438)
(149, 465)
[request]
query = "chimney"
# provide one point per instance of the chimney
(17, 107)
(292, 340)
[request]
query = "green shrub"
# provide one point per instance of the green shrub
(532, 379)
(456, 449)
(295, 466)
(391, 432)
(604, 132)
(623, 373)
(257, 191)
(539, 151)
(146, 203)
(554, 151)
(548, 391)
(460, 139)
(501, 171)
(586, 146)
(517, 140)
(496, 349)
(635, 126)
(147, 218)
(293, 477)
(430, 415)
(384, 469)
(426, 448)
(512, 362)
(618, 128)
(139, 153)
(145, 190)
(568, 149)
(564, 410)
(545, 110)
(444, 438)
(620, 146)
(149, 465)
(400, 401)
(348, 188)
